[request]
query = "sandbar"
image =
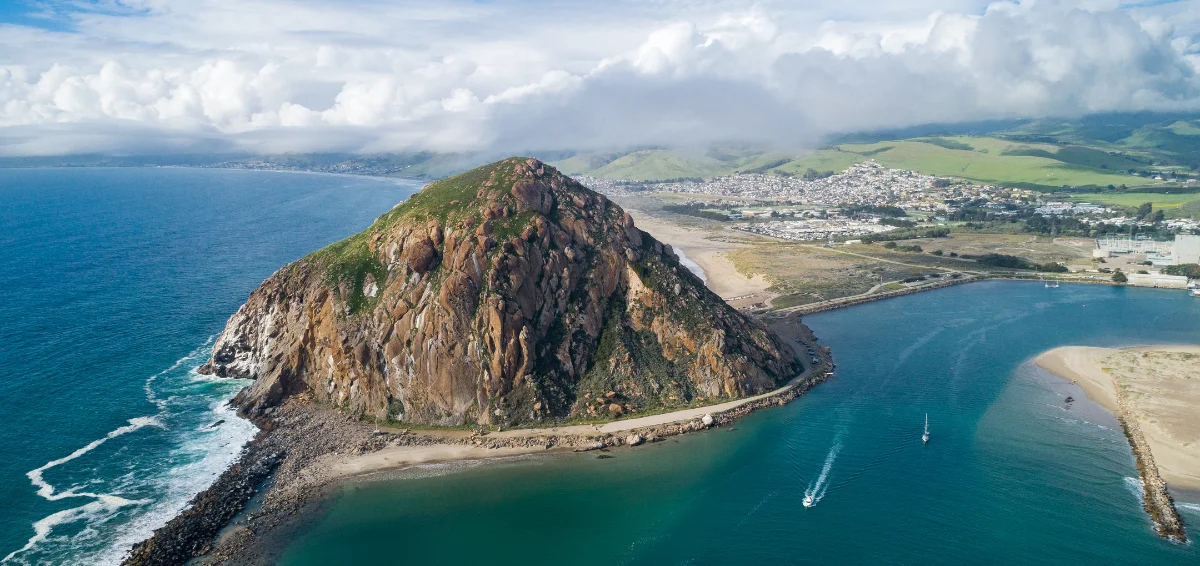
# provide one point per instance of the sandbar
(1161, 390)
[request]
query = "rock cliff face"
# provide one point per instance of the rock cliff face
(506, 295)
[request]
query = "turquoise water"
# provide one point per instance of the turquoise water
(112, 283)
(1010, 475)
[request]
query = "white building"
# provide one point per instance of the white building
(1139, 245)
(1156, 280)
(1187, 249)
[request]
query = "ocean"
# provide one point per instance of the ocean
(1012, 474)
(114, 283)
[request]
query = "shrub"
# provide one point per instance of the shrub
(1002, 260)
(1191, 270)
(1052, 267)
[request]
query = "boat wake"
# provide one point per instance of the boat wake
(816, 490)
(147, 479)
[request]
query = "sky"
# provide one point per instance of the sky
(273, 76)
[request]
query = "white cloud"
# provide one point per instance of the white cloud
(285, 75)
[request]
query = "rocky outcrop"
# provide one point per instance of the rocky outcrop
(506, 295)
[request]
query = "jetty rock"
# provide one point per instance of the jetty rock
(509, 294)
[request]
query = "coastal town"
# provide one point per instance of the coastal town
(867, 183)
(817, 229)
(852, 203)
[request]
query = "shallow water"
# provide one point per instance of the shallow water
(113, 283)
(1011, 473)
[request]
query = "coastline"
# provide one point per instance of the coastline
(421, 180)
(1149, 396)
(721, 276)
(306, 450)
(842, 302)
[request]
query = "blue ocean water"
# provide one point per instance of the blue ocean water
(112, 284)
(1012, 475)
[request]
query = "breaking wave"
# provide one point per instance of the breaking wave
(147, 479)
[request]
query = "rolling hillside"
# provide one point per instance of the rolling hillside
(1093, 152)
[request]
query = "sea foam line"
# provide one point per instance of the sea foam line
(47, 491)
(1193, 507)
(44, 526)
(103, 501)
(203, 350)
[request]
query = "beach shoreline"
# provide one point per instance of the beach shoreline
(1148, 389)
(721, 276)
(313, 449)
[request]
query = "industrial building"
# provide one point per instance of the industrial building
(1185, 249)
(1156, 280)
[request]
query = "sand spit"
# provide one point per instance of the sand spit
(1153, 391)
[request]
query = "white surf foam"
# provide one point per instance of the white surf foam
(692, 266)
(219, 447)
(103, 504)
(151, 396)
(48, 491)
(1189, 507)
(205, 450)
(1135, 486)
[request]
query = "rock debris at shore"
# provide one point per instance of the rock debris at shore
(298, 437)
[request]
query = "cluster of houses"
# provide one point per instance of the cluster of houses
(816, 230)
(867, 183)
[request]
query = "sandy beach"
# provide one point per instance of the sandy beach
(392, 457)
(698, 245)
(548, 438)
(1161, 390)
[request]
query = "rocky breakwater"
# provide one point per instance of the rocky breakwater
(1155, 497)
(505, 296)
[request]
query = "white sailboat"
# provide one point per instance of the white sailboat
(925, 437)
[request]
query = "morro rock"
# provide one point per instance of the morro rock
(506, 295)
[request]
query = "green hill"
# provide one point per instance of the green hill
(1088, 153)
